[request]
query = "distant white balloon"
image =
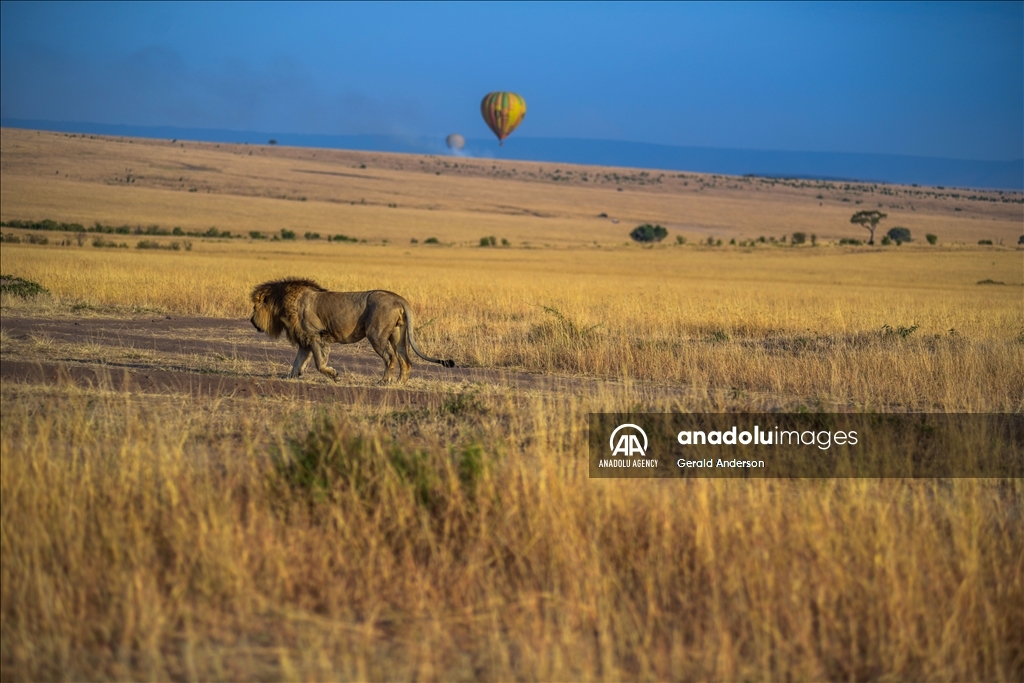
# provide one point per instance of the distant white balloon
(455, 141)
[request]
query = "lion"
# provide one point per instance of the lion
(313, 317)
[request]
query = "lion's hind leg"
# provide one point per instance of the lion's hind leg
(398, 344)
(382, 345)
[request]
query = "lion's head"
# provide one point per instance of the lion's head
(274, 302)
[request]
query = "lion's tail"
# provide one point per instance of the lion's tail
(448, 363)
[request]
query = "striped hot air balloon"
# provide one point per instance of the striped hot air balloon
(503, 111)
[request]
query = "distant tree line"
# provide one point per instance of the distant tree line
(51, 225)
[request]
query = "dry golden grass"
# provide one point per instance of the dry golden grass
(176, 537)
(789, 322)
(154, 538)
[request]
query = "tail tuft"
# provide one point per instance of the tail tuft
(448, 363)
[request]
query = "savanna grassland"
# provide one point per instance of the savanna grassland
(173, 508)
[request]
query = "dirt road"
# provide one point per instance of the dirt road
(216, 357)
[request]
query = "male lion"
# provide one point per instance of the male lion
(313, 317)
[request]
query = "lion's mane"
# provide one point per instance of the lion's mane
(276, 307)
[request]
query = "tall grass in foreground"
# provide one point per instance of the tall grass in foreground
(154, 538)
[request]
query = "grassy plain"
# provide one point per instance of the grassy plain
(457, 200)
(172, 535)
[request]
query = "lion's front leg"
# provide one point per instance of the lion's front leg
(320, 355)
(301, 361)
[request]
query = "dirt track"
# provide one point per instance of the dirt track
(146, 355)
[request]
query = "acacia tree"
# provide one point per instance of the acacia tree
(868, 220)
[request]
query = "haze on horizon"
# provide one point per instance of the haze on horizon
(921, 79)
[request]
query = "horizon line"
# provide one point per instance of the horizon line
(1007, 175)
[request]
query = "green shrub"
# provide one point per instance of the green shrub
(985, 242)
(172, 246)
(343, 238)
(799, 237)
(20, 287)
(718, 337)
(100, 242)
(488, 241)
(886, 241)
(256, 235)
(850, 240)
(330, 461)
(431, 240)
(932, 239)
(680, 239)
(648, 233)
(312, 235)
(899, 235)
(901, 331)
(287, 234)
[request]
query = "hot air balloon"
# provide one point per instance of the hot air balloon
(455, 141)
(503, 111)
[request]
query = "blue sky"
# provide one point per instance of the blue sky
(943, 79)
